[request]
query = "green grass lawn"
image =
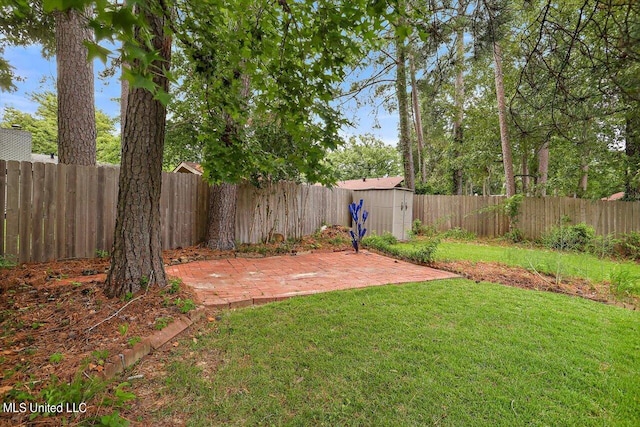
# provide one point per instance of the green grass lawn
(449, 352)
(559, 264)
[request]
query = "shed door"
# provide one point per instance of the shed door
(407, 213)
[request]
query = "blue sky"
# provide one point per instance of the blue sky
(39, 74)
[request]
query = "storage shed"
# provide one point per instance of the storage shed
(390, 210)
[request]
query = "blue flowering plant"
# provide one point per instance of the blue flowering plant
(359, 217)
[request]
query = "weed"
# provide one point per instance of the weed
(111, 420)
(624, 282)
(123, 329)
(338, 240)
(144, 281)
(100, 253)
(128, 296)
(121, 396)
(5, 262)
(100, 356)
(36, 325)
(56, 358)
(162, 322)
(133, 341)
(174, 286)
(185, 306)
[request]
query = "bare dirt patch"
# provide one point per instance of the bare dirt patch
(526, 279)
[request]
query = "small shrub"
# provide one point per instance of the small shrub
(602, 246)
(458, 233)
(570, 238)
(629, 245)
(378, 241)
(420, 229)
(515, 235)
(421, 252)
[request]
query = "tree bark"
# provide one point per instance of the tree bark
(632, 152)
(543, 169)
(422, 170)
(221, 232)
(458, 173)
(403, 111)
(75, 85)
(507, 158)
(136, 259)
(223, 200)
(584, 180)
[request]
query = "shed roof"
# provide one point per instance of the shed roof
(371, 183)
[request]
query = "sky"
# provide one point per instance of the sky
(39, 74)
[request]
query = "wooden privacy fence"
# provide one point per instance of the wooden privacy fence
(289, 209)
(482, 214)
(63, 211)
(67, 211)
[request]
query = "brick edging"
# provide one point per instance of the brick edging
(118, 363)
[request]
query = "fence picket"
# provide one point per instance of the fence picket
(3, 196)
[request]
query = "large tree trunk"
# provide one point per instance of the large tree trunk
(584, 180)
(507, 158)
(403, 111)
(543, 169)
(223, 200)
(632, 152)
(422, 170)
(136, 259)
(221, 232)
(75, 84)
(458, 173)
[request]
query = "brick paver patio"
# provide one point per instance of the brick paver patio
(239, 282)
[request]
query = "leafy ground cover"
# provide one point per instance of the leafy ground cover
(439, 353)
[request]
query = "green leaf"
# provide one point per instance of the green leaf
(94, 50)
(162, 96)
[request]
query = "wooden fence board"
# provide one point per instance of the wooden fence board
(13, 210)
(50, 190)
(26, 227)
(37, 237)
(3, 198)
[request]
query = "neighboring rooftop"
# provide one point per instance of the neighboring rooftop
(616, 196)
(372, 183)
(189, 167)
